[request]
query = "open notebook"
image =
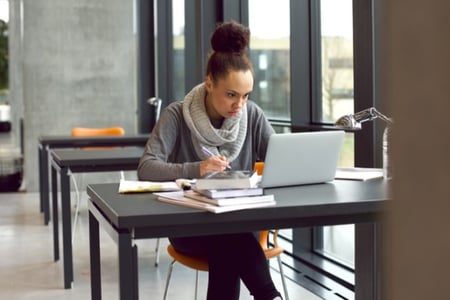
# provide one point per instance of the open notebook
(301, 158)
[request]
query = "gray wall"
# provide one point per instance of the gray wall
(73, 63)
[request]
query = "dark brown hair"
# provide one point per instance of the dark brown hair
(229, 42)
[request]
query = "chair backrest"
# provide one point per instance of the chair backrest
(105, 131)
(259, 167)
(83, 131)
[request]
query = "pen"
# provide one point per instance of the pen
(210, 154)
(207, 152)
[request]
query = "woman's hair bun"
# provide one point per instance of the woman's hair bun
(230, 37)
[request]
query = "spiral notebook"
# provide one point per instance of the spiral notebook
(301, 158)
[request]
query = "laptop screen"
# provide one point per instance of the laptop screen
(302, 158)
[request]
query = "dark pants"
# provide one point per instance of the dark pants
(231, 257)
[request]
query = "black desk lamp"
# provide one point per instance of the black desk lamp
(352, 122)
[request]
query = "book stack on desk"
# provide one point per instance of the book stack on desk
(224, 198)
(222, 192)
(196, 200)
(232, 188)
(235, 179)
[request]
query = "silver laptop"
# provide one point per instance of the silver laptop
(301, 158)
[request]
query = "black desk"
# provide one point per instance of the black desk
(65, 161)
(135, 216)
(54, 142)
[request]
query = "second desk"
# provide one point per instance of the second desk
(67, 161)
(50, 142)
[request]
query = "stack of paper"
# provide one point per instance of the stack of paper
(133, 186)
(194, 200)
(360, 174)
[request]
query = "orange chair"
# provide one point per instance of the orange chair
(201, 264)
(83, 132)
(259, 167)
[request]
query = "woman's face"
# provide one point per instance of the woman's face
(227, 96)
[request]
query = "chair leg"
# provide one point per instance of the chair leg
(77, 205)
(169, 274)
(196, 284)
(283, 280)
(157, 253)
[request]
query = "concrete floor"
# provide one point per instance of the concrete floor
(27, 269)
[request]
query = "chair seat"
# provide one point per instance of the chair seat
(201, 263)
(196, 263)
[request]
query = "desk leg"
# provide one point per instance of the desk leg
(43, 183)
(94, 247)
(128, 269)
(135, 272)
(40, 150)
(55, 215)
(66, 227)
(366, 261)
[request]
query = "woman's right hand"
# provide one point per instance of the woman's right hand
(213, 164)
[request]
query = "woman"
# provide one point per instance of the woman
(217, 115)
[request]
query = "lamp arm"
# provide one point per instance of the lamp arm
(370, 114)
(156, 102)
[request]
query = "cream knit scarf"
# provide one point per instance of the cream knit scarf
(226, 141)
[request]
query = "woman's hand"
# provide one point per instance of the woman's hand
(213, 164)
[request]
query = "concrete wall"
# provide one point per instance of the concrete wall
(73, 63)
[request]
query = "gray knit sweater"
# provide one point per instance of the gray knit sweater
(169, 153)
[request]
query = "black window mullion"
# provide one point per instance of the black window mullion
(164, 54)
(300, 58)
(316, 63)
(236, 10)
(201, 18)
(146, 64)
(366, 152)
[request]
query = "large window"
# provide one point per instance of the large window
(337, 58)
(336, 16)
(271, 51)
